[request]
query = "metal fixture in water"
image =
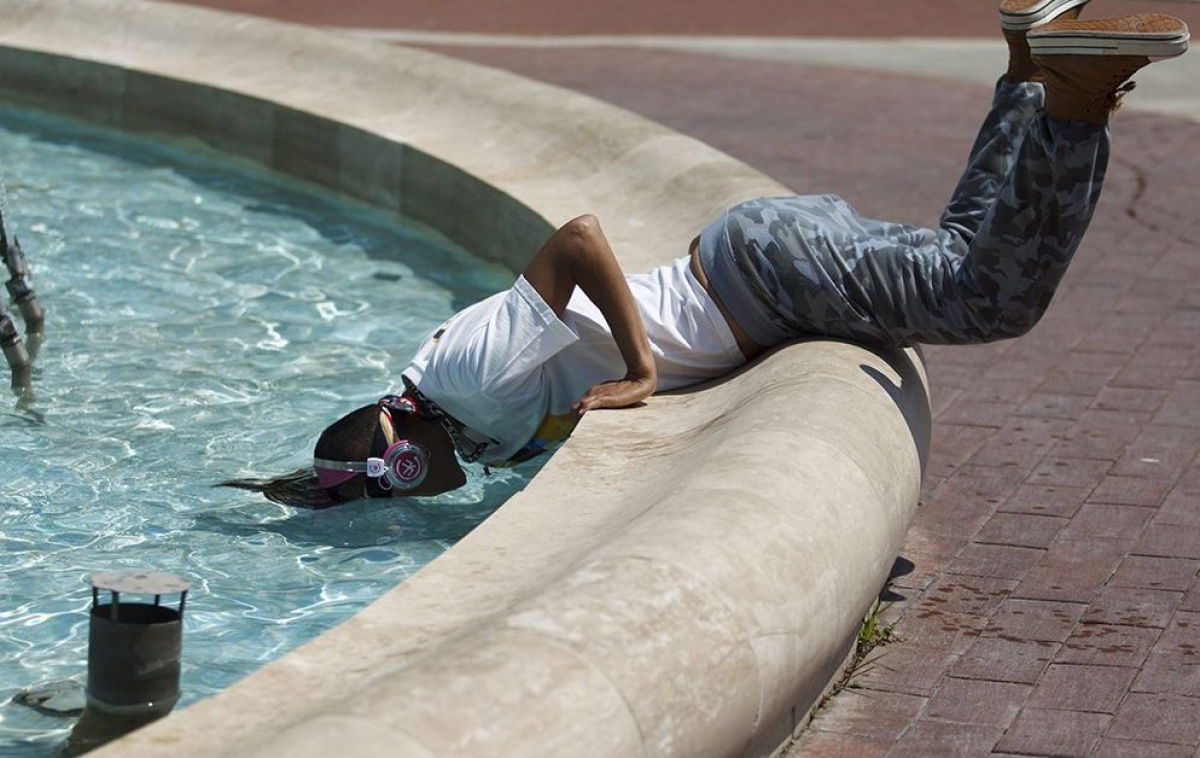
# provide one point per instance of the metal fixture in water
(18, 355)
(15, 353)
(133, 657)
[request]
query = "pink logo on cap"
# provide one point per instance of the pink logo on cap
(408, 466)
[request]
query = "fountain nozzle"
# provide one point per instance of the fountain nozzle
(133, 657)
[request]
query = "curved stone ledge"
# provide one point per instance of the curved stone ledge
(680, 579)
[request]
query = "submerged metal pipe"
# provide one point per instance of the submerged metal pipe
(21, 291)
(24, 298)
(19, 359)
(133, 657)
(15, 354)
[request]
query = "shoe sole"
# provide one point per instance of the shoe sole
(1036, 14)
(1153, 45)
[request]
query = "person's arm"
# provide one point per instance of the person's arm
(579, 255)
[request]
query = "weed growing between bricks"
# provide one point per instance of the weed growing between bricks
(871, 635)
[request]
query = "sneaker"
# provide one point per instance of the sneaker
(1087, 64)
(1020, 15)
(1150, 35)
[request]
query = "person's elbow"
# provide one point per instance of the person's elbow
(582, 227)
(581, 235)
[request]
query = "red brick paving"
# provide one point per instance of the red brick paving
(1053, 606)
(842, 18)
(1114, 748)
(1158, 718)
(1050, 732)
(1004, 659)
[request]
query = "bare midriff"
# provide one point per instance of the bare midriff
(749, 347)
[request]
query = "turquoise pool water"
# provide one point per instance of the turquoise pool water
(205, 321)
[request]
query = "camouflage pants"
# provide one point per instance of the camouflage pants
(796, 266)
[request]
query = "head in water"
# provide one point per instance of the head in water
(386, 449)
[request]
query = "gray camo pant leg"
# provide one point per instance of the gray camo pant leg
(1014, 107)
(987, 272)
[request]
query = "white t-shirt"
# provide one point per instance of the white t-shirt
(507, 364)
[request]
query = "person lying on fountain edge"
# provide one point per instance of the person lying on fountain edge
(508, 376)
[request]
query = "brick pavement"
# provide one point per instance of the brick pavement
(1052, 603)
(841, 18)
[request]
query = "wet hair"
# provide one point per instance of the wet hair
(350, 438)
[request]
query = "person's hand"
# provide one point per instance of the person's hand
(620, 393)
